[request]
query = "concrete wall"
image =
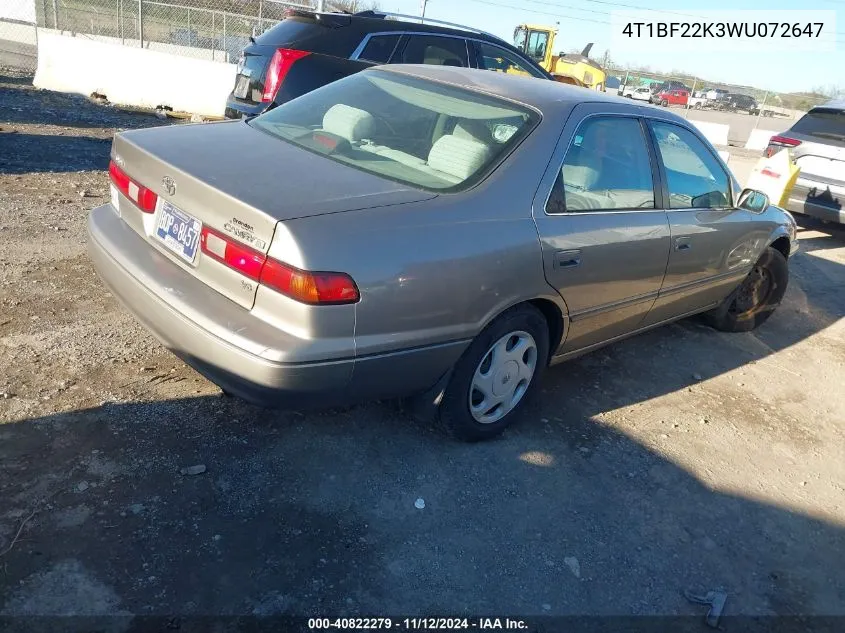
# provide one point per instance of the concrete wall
(132, 76)
(19, 10)
(18, 32)
(716, 133)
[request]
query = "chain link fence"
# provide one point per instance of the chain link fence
(18, 35)
(743, 109)
(207, 29)
(716, 96)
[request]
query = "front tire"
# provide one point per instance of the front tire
(756, 298)
(496, 376)
(664, 103)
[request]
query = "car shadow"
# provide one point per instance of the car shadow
(22, 153)
(593, 505)
(356, 511)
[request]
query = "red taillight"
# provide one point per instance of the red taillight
(304, 286)
(280, 65)
(308, 287)
(140, 195)
(780, 141)
(785, 141)
(235, 255)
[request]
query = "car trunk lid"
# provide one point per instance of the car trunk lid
(238, 183)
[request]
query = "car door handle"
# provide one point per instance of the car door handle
(682, 244)
(568, 259)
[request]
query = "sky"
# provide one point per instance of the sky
(778, 68)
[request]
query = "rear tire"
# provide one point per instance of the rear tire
(755, 298)
(496, 376)
(664, 103)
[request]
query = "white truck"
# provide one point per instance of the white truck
(641, 93)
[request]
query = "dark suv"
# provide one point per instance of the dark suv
(307, 50)
(736, 102)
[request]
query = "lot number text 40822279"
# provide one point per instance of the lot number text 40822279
(418, 624)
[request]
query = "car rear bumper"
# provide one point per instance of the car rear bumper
(817, 201)
(149, 285)
(238, 110)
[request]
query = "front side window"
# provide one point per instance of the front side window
(606, 167)
(379, 48)
(694, 177)
(495, 58)
(438, 51)
(417, 132)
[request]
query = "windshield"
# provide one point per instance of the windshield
(407, 129)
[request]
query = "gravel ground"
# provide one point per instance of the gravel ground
(680, 459)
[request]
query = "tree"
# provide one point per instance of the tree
(606, 61)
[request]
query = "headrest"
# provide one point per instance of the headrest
(350, 123)
(458, 157)
(473, 130)
(580, 176)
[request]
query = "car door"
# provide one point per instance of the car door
(713, 243)
(604, 235)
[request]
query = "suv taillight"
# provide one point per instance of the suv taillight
(279, 66)
(780, 141)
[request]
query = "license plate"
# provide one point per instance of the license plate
(241, 87)
(178, 231)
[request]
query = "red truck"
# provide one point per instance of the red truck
(671, 97)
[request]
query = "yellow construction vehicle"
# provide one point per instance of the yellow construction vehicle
(538, 43)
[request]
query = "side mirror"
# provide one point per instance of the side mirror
(753, 200)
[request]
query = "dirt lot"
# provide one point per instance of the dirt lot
(681, 459)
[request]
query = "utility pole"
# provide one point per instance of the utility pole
(422, 9)
(320, 6)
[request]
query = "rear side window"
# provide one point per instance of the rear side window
(827, 123)
(694, 177)
(379, 48)
(438, 51)
(288, 31)
(607, 167)
(495, 58)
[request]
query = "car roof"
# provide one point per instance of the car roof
(546, 96)
(376, 21)
(835, 104)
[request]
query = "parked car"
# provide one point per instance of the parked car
(672, 84)
(737, 102)
(643, 93)
(715, 94)
(443, 232)
(670, 97)
(698, 102)
(308, 50)
(817, 144)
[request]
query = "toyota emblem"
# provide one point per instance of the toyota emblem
(169, 185)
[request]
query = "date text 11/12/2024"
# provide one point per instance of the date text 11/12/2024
(417, 624)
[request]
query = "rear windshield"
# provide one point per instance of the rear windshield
(407, 129)
(823, 123)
